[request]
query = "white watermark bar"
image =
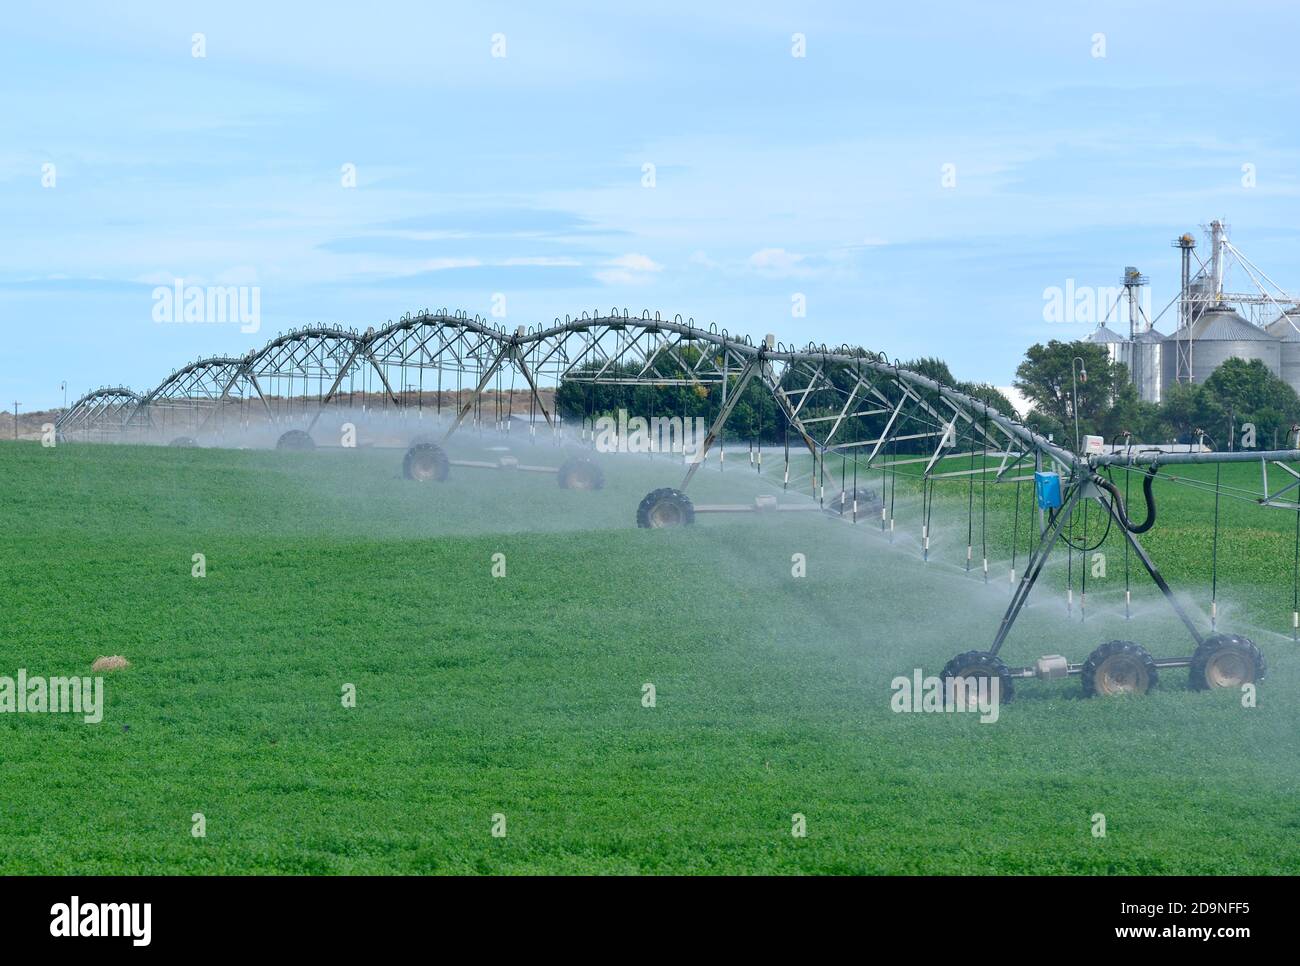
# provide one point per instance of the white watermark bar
(34, 694)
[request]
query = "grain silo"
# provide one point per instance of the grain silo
(1286, 328)
(1116, 345)
(1147, 365)
(1218, 335)
(1213, 323)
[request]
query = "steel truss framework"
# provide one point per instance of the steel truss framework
(834, 399)
(845, 402)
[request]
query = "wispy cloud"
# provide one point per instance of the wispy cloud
(778, 262)
(629, 269)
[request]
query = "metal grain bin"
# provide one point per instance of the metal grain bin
(1117, 346)
(1148, 365)
(1217, 336)
(1286, 328)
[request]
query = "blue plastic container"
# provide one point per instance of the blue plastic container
(1047, 487)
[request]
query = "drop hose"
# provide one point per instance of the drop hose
(1122, 512)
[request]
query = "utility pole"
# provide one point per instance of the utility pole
(16, 405)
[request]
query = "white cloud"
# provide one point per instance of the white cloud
(637, 263)
(441, 264)
(557, 261)
(777, 261)
(629, 269)
(1018, 401)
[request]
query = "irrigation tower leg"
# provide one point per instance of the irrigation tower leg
(532, 386)
(734, 397)
(1035, 566)
(783, 401)
(1154, 571)
(488, 373)
(225, 394)
(334, 387)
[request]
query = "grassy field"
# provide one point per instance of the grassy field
(522, 695)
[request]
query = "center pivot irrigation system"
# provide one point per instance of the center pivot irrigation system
(842, 404)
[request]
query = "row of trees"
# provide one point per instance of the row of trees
(1237, 396)
(756, 416)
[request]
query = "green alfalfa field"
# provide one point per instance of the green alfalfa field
(522, 696)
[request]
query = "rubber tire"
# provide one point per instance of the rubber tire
(422, 452)
(986, 665)
(869, 503)
(296, 441)
(1109, 649)
(1197, 680)
(184, 442)
(665, 495)
(580, 473)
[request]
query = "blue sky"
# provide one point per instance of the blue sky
(522, 174)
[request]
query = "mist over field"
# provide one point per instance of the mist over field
(523, 694)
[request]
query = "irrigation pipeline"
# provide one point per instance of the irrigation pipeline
(734, 358)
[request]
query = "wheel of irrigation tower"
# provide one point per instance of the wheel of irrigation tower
(184, 442)
(581, 473)
(974, 665)
(1119, 667)
(665, 507)
(1226, 661)
(296, 440)
(424, 462)
(868, 502)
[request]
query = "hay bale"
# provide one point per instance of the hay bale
(114, 663)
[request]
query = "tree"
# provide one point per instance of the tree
(938, 370)
(1241, 392)
(933, 368)
(992, 395)
(756, 416)
(1247, 387)
(1045, 378)
(1182, 407)
(1129, 414)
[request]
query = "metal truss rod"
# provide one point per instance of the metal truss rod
(741, 382)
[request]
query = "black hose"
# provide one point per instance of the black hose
(1120, 509)
(1069, 542)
